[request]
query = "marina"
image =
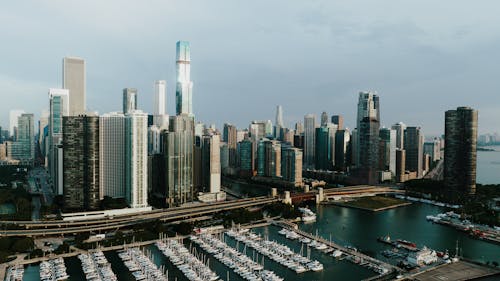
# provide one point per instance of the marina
(140, 265)
(278, 252)
(180, 256)
(53, 270)
(242, 265)
(15, 273)
(96, 267)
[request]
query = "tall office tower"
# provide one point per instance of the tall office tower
(246, 152)
(154, 140)
(291, 165)
(368, 107)
(414, 147)
(342, 138)
(178, 150)
(387, 150)
(129, 100)
(299, 128)
(368, 150)
(400, 134)
(23, 149)
(279, 123)
(211, 166)
(324, 119)
(81, 162)
(400, 165)
(269, 158)
(339, 121)
(184, 85)
(160, 118)
(136, 159)
(354, 147)
(309, 140)
(288, 136)
(325, 147)
(112, 155)
(74, 81)
(230, 137)
(460, 152)
(13, 115)
(241, 134)
(59, 107)
(197, 163)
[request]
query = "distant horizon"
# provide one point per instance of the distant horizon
(313, 57)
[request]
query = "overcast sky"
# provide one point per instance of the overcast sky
(422, 57)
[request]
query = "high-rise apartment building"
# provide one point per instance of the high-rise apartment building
(184, 85)
(74, 82)
(211, 165)
(59, 107)
(460, 154)
(23, 149)
(246, 158)
(112, 155)
(81, 162)
(414, 147)
(269, 158)
(309, 141)
(136, 159)
(279, 126)
(291, 165)
(178, 151)
(129, 100)
(342, 139)
(230, 137)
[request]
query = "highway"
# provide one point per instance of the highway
(62, 227)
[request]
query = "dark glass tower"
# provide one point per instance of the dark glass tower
(81, 162)
(460, 150)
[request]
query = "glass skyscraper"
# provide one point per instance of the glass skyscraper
(184, 85)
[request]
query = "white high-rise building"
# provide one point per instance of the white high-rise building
(74, 81)
(184, 86)
(129, 100)
(136, 159)
(13, 115)
(160, 118)
(59, 107)
(309, 140)
(211, 162)
(154, 140)
(112, 155)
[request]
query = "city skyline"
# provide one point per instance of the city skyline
(332, 87)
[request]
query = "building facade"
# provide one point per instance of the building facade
(184, 85)
(74, 81)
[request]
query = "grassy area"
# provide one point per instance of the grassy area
(374, 203)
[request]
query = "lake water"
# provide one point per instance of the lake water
(488, 166)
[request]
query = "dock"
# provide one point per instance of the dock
(290, 226)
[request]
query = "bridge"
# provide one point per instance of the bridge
(349, 191)
(59, 227)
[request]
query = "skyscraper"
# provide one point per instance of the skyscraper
(387, 150)
(309, 140)
(291, 165)
(366, 152)
(339, 121)
(230, 137)
(129, 100)
(136, 159)
(23, 149)
(81, 162)
(342, 139)
(178, 150)
(325, 147)
(368, 107)
(324, 119)
(13, 115)
(211, 165)
(400, 134)
(112, 155)
(74, 81)
(59, 107)
(246, 153)
(460, 152)
(414, 147)
(279, 123)
(160, 118)
(184, 85)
